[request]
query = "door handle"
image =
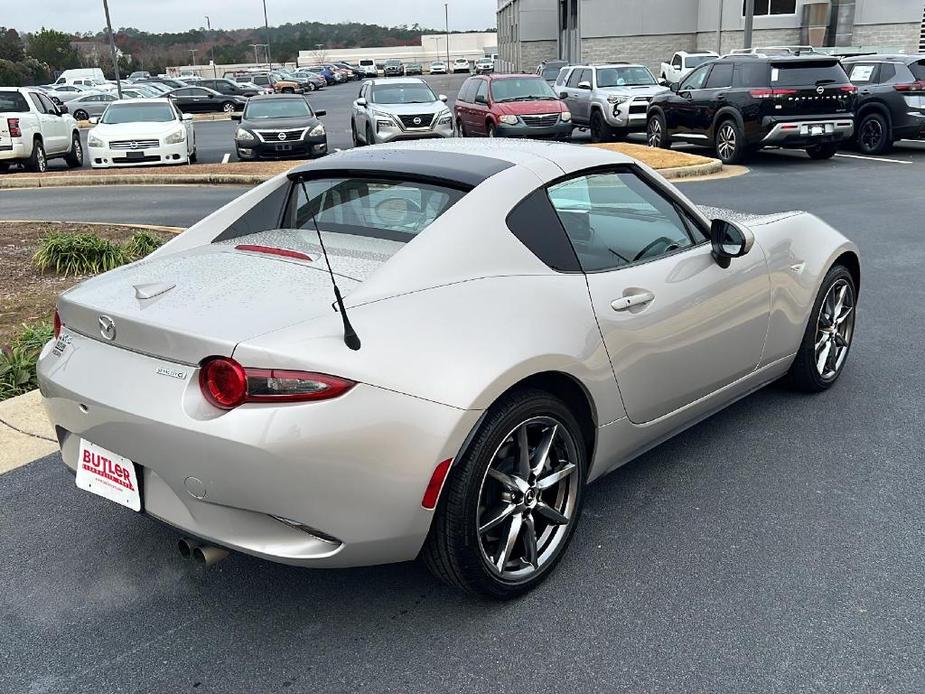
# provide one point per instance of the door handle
(627, 302)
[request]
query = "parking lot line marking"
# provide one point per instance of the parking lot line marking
(226, 157)
(887, 161)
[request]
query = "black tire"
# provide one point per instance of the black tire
(874, 135)
(804, 373)
(657, 132)
(453, 550)
(228, 107)
(820, 152)
(354, 135)
(310, 87)
(490, 129)
(288, 90)
(194, 157)
(370, 135)
(460, 128)
(38, 162)
(600, 131)
(80, 114)
(4, 167)
(75, 158)
(729, 141)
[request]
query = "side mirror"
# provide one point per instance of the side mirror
(320, 113)
(674, 86)
(94, 120)
(62, 109)
(234, 116)
(442, 98)
(563, 95)
(729, 241)
(186, 116)
(481, 99)
(584, 85)
(361, 103)
(664, 82)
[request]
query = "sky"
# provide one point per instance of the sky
(179, 15)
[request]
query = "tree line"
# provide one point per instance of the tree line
(34, 58)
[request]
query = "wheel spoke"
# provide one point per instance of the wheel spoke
(508, 546)
(541, 455)
(839, 302)
(530, 542)
(523, 453)
(843, 316)
(505, 481)
(498, 516)
(556, 477)
(550, 514)
(823, 357)
(822, 342)
(840, 341)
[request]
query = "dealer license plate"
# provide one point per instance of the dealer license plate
(108, 474)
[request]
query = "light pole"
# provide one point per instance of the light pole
(749, 23)
(193, 52)
(446, 17)
(112, 49)
(211, 48)
(266, 25)
(719, 30)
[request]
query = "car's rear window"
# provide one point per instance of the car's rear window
(814, 73)
(396, 210)
(918, 69)
(13, 102)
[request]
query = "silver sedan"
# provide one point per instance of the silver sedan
(389, 110)
(487, 328)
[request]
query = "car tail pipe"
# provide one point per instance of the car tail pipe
(204, 555)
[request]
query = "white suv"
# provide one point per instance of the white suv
(368, 66)
(34, 130)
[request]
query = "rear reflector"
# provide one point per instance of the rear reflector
(269, 250)
(432, 493)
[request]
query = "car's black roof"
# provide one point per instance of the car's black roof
(453, 168)
(760, 57)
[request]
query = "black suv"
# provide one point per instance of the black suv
(891, 99)
(229, 87)
(742, 103)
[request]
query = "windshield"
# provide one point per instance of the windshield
(521, 89)
(698, 60)
(138, 113)
(402, 93)
(277, 108)
(14, 102)
(633, 76)
(383, 209)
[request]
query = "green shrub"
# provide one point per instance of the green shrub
(33, 337)
(77, 254)
(17, 372)
(141, 243)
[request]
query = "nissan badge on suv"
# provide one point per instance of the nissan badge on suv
(742, 103)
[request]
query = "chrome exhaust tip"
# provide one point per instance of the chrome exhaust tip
(185, 547)
(206, 555)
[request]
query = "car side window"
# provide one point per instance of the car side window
(38, 102)
(573, 78)
(696, 79)
(720, 76)
(676, 61)
(615, 219)
(887, 73)
(863, 73)
(483, 89)
(464, 91)
(586, 76)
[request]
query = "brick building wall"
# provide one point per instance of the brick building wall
(647, 50)
(903, 37)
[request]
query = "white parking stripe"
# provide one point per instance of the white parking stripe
(887, 161)
(226, 157)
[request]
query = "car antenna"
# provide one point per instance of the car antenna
(351, 339)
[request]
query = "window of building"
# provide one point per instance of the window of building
(765, 8)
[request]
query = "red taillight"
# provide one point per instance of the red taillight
(223, 382)
(917, 86)
(226, 384)
(270, 250)
(432, 493)
(768, 93)
(13, 125)
(850, 89)
(57, 323)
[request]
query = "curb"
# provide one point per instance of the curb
(52, 181)
(25, 432)
(714, 166)
(148, 227)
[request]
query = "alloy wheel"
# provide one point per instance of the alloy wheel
(655, 133)
(871, 134)
(78, 150)
(527, 500)
(834, 329)
(40, 161)
(726, 142)
(228, 108)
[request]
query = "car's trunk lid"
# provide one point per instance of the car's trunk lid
(204, 301)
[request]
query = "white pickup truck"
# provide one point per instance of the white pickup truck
(33, 130)
(682, 63)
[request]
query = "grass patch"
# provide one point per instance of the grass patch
(17, 362)
(77, 254)
(140, 244)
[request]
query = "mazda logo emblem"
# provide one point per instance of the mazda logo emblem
(282, 136)
(820, 90)
(417, 120)
(107, 328)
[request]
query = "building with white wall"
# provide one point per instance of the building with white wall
(649, 31)
(433, 47)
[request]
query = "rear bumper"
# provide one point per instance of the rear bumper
(354, 468)
(912, 127)
(801, 133)
(559, 131)
(14, 150)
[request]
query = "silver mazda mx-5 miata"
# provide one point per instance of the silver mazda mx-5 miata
(517, 319)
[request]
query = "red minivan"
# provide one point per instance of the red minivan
(511, 106)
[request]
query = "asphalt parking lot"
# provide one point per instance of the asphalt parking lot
(776, 547)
